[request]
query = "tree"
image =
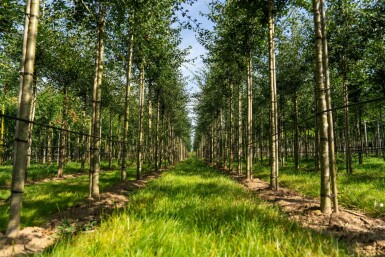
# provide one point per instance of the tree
(24, 106)
(96, 110)
(274, 109)
(322, 107)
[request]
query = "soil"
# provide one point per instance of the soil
(81, 218)
(365, 235)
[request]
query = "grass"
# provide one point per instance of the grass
(42, 171)
(44, 199)
(363, 190)
(193, 210)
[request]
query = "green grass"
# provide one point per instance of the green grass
(42, 171)
(44, 199)
(193, 210)
(363, 190)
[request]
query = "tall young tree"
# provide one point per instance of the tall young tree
(322, 110)
(24, 108)
(127, 107)
(96, 110)
(273, 91)
(325, 60)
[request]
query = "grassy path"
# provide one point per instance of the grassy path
(193, 210)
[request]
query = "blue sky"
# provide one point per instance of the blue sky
(189, 39)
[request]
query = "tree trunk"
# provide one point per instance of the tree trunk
(109, 144)
(24, 108)
(2, 126)
(161, 143)
(118, 147)
(348, 155)
(261, 143)
(31, 118)
(232, 122)
(359, 134)
(240, 146)
(332, 158)
(84, 142)
(96, 112)
(274, 112)
(62, 141)
(324, 143)
(171, 143)
(149, 135)
(140, 133)
(296, 143)
(49, 144)
(157, 135)
(249, 143)
(316, 132)
(365, 147)
(126, 108)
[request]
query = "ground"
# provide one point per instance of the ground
(364, 234)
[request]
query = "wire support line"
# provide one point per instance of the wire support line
(57, 128)
(342, 107)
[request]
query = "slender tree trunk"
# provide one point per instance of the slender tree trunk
(109, 144)
(222, 139)
(306, 144)
(296, 143)
(365, 139)
(211, 144)
(316, 134)
(171, 143)
(118, 147)
(219, 139)
(157, 134)
(249, 159)
(24, 108)
(96, 112)
(150, 148)
(2, 125)
(348, 155)
(274, 111)
(31, 118)
(161, 143)
(49, 144)
(62, 144)
(140, 133)
(378, 139)
(232, 122)
(92, 123)
(84, 142)
(280, 140)
(240, 146)
(359, 134)
(322, 107)
(126, 108)
(68, 156)
(332, 158)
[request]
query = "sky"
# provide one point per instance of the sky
(189, 39)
